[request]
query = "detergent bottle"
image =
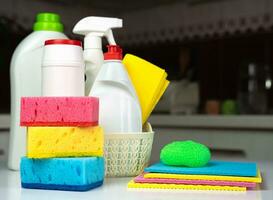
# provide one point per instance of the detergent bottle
(25, 77)
(63, 68)
(119, 109)
(94, 28)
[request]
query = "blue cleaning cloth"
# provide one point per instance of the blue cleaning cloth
(221, 168)
(75, 174)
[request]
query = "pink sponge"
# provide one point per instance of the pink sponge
(59, 111)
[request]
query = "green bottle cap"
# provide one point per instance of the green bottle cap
(48, 22)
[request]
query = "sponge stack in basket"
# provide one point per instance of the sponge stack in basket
(64, 143)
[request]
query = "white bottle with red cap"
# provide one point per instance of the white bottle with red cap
(119, 109)
(63, 68)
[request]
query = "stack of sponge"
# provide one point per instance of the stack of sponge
(64, 143)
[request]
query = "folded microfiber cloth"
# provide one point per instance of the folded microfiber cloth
(223, 168)
(59, 111)
(50, 142)
(149, 81)
(75, 174)
(133, 184)
(257, 179)
(141, 179)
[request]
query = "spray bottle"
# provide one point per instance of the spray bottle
(107, 78)
(94, 28)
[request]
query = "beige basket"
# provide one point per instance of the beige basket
(128, 154)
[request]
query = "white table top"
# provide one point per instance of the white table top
(116, 188)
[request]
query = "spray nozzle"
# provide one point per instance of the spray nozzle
(96, 27)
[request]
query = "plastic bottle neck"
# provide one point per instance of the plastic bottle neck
(113, 60)
(92, 42)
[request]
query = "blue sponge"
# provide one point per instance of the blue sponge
(220, 168)
(75, 174)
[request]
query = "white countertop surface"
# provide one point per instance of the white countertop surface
(116, 188)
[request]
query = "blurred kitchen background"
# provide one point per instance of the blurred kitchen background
(218, 55)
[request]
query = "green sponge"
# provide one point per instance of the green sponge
(185, 153)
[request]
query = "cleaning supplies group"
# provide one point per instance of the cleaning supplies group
(128, 91)
(185, 165)
(64, 143)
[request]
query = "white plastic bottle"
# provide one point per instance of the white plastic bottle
(25, 76)
(63, 68)
(94, 28)
(119, 110)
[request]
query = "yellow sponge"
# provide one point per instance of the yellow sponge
(49, 142)
(149, 82)
(133, 184)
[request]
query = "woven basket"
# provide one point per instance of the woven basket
(128, 154)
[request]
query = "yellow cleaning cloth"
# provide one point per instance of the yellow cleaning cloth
(149, 82)
(257, 179)
(49, 142)
(133, 184)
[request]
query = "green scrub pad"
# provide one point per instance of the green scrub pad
(185, 153)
